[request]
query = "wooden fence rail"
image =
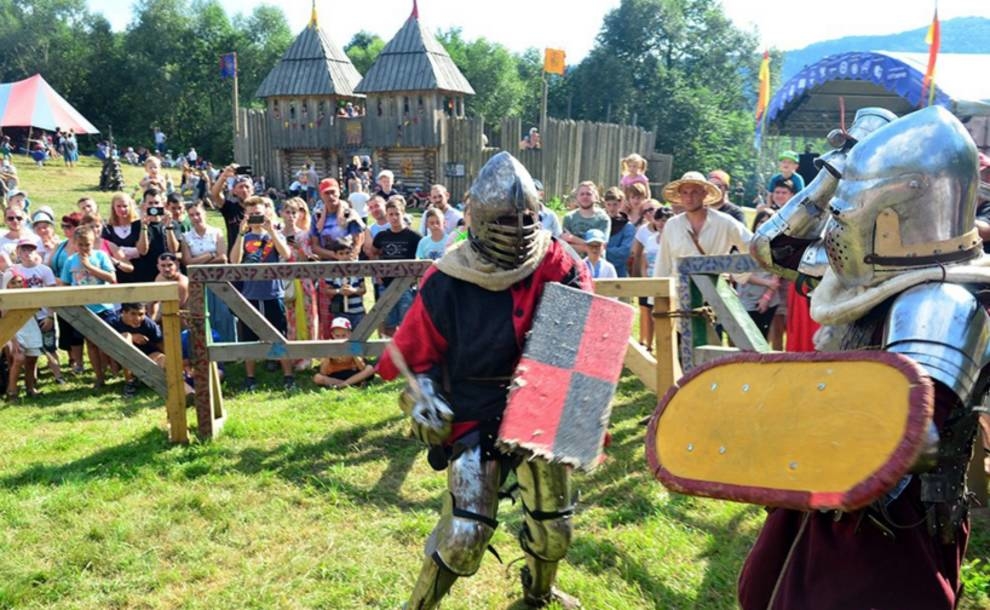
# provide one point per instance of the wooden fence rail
(70, 301)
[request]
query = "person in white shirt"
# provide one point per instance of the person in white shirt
(440, 200)
(698, 230)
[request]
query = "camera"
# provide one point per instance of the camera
(290, 239)
(243, 170)
(156, 210)
(256, 219)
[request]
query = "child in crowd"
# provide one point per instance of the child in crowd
(346, 293)
(37, 275)
(434, 243)
(89, 267)
(788, 167)
(633, 171)
(343, 371)
(598, 267)
(136, 326)
(24, 349)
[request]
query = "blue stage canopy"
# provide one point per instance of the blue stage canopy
(808, 103)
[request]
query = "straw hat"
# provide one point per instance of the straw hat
(712, 192)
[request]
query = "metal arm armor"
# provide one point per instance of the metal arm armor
(943, 328)
(790, 241)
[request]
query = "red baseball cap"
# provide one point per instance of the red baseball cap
(328, 183)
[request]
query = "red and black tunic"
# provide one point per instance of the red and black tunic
(470, 339)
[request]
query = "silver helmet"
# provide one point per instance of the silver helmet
(505, 212)
(907, 199)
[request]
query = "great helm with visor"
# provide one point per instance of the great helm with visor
(505, 209)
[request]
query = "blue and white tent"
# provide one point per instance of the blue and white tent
(808, 104)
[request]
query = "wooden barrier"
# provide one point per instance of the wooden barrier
(70, 301)
(660, 372)
(271, 343)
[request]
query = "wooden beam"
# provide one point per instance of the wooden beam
(707, 353)
(730, 313)
(110, 341)
(71, 296)
(175, 401)
(217, 412)
(12, 321)
(295, 350)
(374, 318)
(246, 312)
(634, 287)
(642, 364)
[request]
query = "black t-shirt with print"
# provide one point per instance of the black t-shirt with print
(396, 246)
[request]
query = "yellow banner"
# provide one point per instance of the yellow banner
(553, 61)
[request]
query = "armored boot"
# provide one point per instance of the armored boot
(433, 583)
(538, 589)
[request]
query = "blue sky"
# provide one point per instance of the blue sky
(572, 26)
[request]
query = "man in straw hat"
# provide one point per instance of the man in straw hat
(699, 230)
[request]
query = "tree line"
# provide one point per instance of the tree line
(679, 67)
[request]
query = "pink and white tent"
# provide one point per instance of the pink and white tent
(33, 103)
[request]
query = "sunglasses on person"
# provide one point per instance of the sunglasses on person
(15, 218)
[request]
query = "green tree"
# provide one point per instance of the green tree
(363, 50)
(493, 72)
(262, 39)
(679, 67)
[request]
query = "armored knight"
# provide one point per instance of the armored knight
(462, 339)
(902, 272)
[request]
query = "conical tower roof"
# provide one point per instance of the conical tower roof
(414, 61)
(313, 65)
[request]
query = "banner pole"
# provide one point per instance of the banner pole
(237, 126)
(543, 108)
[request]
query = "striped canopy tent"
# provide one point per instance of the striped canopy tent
(33, 103)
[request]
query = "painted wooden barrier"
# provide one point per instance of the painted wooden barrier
(271, 343)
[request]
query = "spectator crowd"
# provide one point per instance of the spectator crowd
(154, 234)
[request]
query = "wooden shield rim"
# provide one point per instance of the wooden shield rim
(921, 397)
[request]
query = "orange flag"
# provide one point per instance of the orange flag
(553, 61)
(764, 92)
(934, 39)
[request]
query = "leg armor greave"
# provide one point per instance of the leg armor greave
(460, 538)
(468, 520)
(547, 501)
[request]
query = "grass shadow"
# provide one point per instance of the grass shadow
(123, 461)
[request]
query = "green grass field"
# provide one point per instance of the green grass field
(316, 500)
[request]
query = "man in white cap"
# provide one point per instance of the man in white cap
(699, 230)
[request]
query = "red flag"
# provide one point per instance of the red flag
(764, 91)
(934, 39)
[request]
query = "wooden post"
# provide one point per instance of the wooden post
(665, 338)
(543, 110)
(175, 404)
(977, 475)
(199, 357)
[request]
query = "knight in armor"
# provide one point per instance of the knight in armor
(888, 229)
(462, 339)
